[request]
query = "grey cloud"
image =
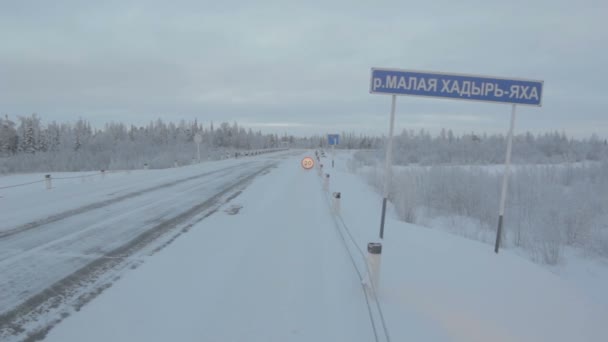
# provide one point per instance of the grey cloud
(303, 67)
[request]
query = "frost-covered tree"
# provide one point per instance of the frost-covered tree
(42, 141)
(29, 129)
(8, 137)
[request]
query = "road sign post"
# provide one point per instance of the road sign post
(198, 139)
(388, 167)
(505, 180)
(333, 140)
(460, 87)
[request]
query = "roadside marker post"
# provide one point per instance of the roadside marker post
(374, 258)
(336, 202)
(512, 91)
(47, 180)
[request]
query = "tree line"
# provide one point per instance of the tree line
(28, 144)
(29, 135)
(447, 148)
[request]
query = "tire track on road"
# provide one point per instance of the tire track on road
(101, 204)
(65, 292)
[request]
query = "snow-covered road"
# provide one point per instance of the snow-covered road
(46, 260)
(273, 271)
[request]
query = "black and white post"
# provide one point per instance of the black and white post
(388, 167)
(336, 203)
(374, 259)
(505, 181)
(47, 181)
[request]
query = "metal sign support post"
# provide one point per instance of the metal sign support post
(333, 153)
(505, 180)
(198, 139)
(388, 166)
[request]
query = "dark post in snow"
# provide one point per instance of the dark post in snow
(388, 166)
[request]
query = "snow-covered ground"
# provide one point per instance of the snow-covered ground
(271, 266)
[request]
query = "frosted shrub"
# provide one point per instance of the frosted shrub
(548, 207)
(405, 198)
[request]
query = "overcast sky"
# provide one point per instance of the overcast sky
(300, 67)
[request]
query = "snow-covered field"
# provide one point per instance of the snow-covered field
(269, 264)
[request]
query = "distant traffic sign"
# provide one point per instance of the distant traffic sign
(308, 163)
(333, 139)
(456, 86)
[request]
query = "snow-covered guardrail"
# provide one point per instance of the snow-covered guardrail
(48, 179)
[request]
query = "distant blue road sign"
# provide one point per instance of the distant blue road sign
(456, 86)
(333, 139)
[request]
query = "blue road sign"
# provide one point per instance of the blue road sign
(333, 139)
(456, 86)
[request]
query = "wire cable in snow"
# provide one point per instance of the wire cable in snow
(79, 176)
(360, 275)
(22, 184)
(372, 288)
(371, 283)
(57, 178)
